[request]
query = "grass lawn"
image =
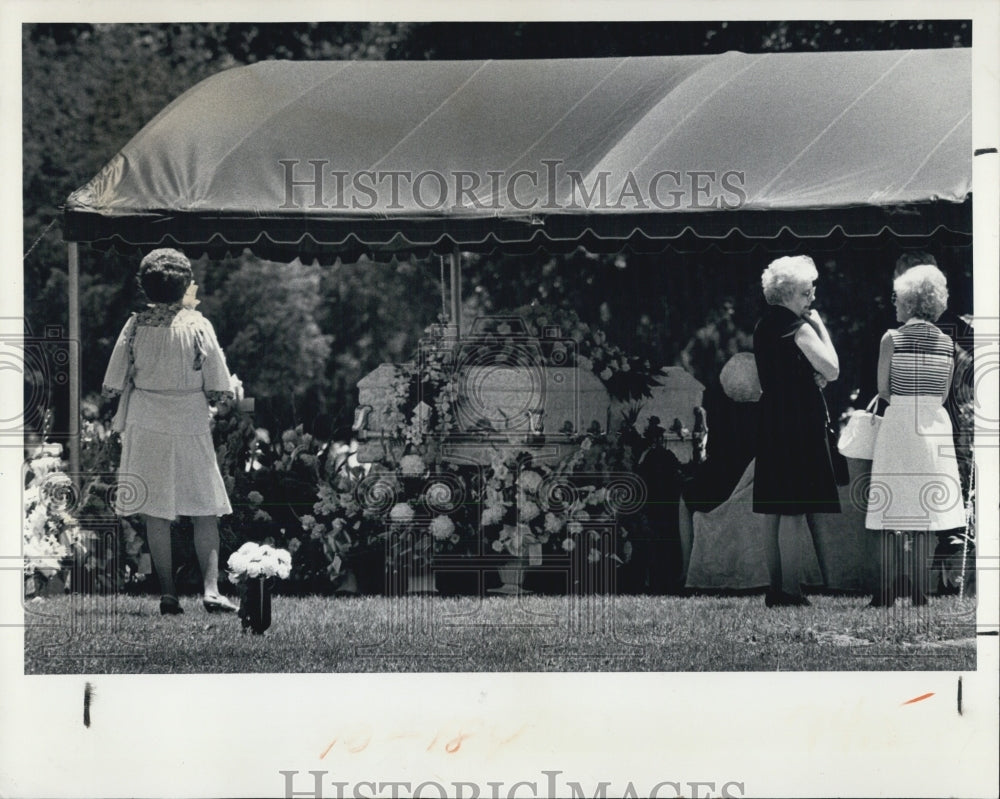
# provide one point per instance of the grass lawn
(126, 634)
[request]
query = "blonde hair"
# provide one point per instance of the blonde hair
(922, 292)
(784, 275)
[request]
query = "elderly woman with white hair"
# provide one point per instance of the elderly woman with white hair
(915, 488)
(794, 473)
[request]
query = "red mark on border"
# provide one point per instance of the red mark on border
(512, 737)
(455, 743)
(327, 750)
(920, 698)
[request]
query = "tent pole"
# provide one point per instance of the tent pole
(456, 291)
(73, 422)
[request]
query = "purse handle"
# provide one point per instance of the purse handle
(870, 408)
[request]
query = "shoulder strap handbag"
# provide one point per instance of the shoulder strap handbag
(858, 437)
(840, 472)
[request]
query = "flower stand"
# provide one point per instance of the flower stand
(511, 577)
(255, 604)
(421, 582)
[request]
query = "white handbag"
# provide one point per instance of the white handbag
(858, 437)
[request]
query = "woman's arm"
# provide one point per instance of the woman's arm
(217, 383)
(814, 341)
(885, 351)
(116, 375)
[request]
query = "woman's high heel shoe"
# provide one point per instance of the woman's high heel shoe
(218, 604)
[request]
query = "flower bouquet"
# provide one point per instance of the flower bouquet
(50, 533)
(568, 510)
(254, 568)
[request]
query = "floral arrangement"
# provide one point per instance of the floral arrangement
(61, 518)
(531, 508)
(625, 377)
(422, 402)
(432, 514)
(58, 516)
(49, 531)
(341, 529)
(404, 511)
(252, 560)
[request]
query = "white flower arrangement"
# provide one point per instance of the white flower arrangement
(442, 528)
(401, 512)
(42, 548)
(493, 514)
(259, 560)
(48, 531)
(529, 480)
(527, 510)
(412, 465)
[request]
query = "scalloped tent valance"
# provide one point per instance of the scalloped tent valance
(338, 159)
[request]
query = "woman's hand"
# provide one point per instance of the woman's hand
(816, 346)
(820, 380)
(813, 318)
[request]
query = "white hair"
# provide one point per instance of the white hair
(784, 275)
(922, 292)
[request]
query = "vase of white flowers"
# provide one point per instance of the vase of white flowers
(255, 604)
(254, 568)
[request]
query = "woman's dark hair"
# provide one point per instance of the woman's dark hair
(164, 275)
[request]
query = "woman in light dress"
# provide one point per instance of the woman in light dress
(167, 366)
(915, 489)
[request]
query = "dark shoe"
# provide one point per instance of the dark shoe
(773, 599)
(218, 604)
(879, 601)
(919, 601)
(169, 606)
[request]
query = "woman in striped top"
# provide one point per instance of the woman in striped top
(915, 488)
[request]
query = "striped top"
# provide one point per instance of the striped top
(922, 360)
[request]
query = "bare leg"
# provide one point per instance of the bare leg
(817, 543)
(772, 552)
(158, 536)
(790, 535)
(920, 563)
(888, 578)
(206, 546)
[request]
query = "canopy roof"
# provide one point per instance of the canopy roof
(339, 158)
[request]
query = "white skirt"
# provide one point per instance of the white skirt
(167, 475)
(914, 480)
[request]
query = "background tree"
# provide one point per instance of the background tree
(267, 314)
